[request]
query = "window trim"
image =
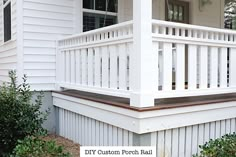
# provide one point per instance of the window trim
(179, 2)
(3, 7)
(8, 1)
(99, 12)
(94, 11)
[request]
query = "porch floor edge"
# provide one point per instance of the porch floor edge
(160, 104)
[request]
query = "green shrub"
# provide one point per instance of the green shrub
(36, 147)
(221, 147)
(19, 116)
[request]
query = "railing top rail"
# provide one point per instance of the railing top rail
(99, 30)
(189, 26)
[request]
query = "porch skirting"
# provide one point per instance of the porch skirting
(177, 142)
(79, 122)
(90, 132)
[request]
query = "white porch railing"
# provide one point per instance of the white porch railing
(96, 61)
(199, 60)
(191, 60)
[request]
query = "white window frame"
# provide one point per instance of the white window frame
(99, 12)
(93, 11)
(3, 7)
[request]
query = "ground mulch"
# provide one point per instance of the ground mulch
(69, 145)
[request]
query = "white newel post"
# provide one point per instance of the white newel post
(59, 65)
(142, 81)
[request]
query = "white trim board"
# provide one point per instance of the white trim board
(148, 121)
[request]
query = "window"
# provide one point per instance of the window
(230, 14)
(177, 11)
(7, 20)
(99, 13)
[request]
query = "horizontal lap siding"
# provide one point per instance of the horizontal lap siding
(8, 55)
(44, 21)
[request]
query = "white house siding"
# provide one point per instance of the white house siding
(44, 21)
(8, 55)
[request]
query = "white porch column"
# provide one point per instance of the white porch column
(142, 63)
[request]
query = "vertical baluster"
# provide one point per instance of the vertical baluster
(180, 67)
(67, 66)
(63, 65)
(156, 58)
(170, 31)
(231, 37)
(97, 68)
(223, 67)
(120, 33)
(189, 33)
(201, 34)
(84, 66)
(211, 35)
(59, 66)
(213, 67)
(227, 37)
(192, 67)
(95, 37)
(222, 36)
(110, 34)
(90, 66)
(183, 33)
(78, 66)
(130, 30)
(176, 31)
(125, 32)
(206, 35)
(106, 35)
(113, 67)
(232, 65)
(115, 34)
(217, 37)
(167, 66)
(203, 66)
(122, 67)
(195, 33)
(156, 30)
(128, 73)
(72, 65)
(105, 76)
(163, 30)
